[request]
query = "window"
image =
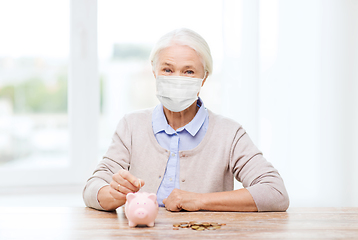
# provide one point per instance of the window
(33, 86)
(42, 127)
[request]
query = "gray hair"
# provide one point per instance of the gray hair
(188, 38)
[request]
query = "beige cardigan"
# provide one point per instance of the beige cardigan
(225, 152)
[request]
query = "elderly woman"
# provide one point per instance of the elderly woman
(180, 150)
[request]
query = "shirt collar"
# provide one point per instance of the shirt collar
(159, 122)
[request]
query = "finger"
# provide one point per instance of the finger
(121, 180)
(141, 183)
(116, 186)
(172, 203)
(171, 207)
(117, 195)
(130, 178)
(135, 182)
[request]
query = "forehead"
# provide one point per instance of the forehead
(179, 55)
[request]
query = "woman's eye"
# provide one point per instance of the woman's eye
(167, 70)
(189, 72)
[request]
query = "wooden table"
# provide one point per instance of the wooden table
(84, 223)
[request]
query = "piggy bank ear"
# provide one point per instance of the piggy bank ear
(130, 197)
(152, 197)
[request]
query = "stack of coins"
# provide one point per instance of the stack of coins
(198, 226)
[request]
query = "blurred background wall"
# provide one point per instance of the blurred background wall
(286, 70)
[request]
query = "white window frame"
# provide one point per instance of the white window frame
(83, 107)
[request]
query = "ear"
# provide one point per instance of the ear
(155, 76)
(152, 197)
(202, 84)
(205, 77)
(130, 197)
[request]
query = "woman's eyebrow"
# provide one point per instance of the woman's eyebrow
(189, 66)
(167, 64)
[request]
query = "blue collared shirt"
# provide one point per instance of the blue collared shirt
(184, 138)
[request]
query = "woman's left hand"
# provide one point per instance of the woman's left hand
(183, 200)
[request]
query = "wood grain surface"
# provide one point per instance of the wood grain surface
(86, 223)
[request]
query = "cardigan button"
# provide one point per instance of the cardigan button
(183, 180)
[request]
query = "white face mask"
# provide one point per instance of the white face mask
(177, 93)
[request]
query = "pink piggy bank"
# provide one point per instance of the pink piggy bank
(141, 209)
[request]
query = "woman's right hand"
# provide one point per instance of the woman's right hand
(113, 196)
(123, 183)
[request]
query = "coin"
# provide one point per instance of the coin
(199, 226)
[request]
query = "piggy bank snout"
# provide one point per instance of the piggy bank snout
(141, 213)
